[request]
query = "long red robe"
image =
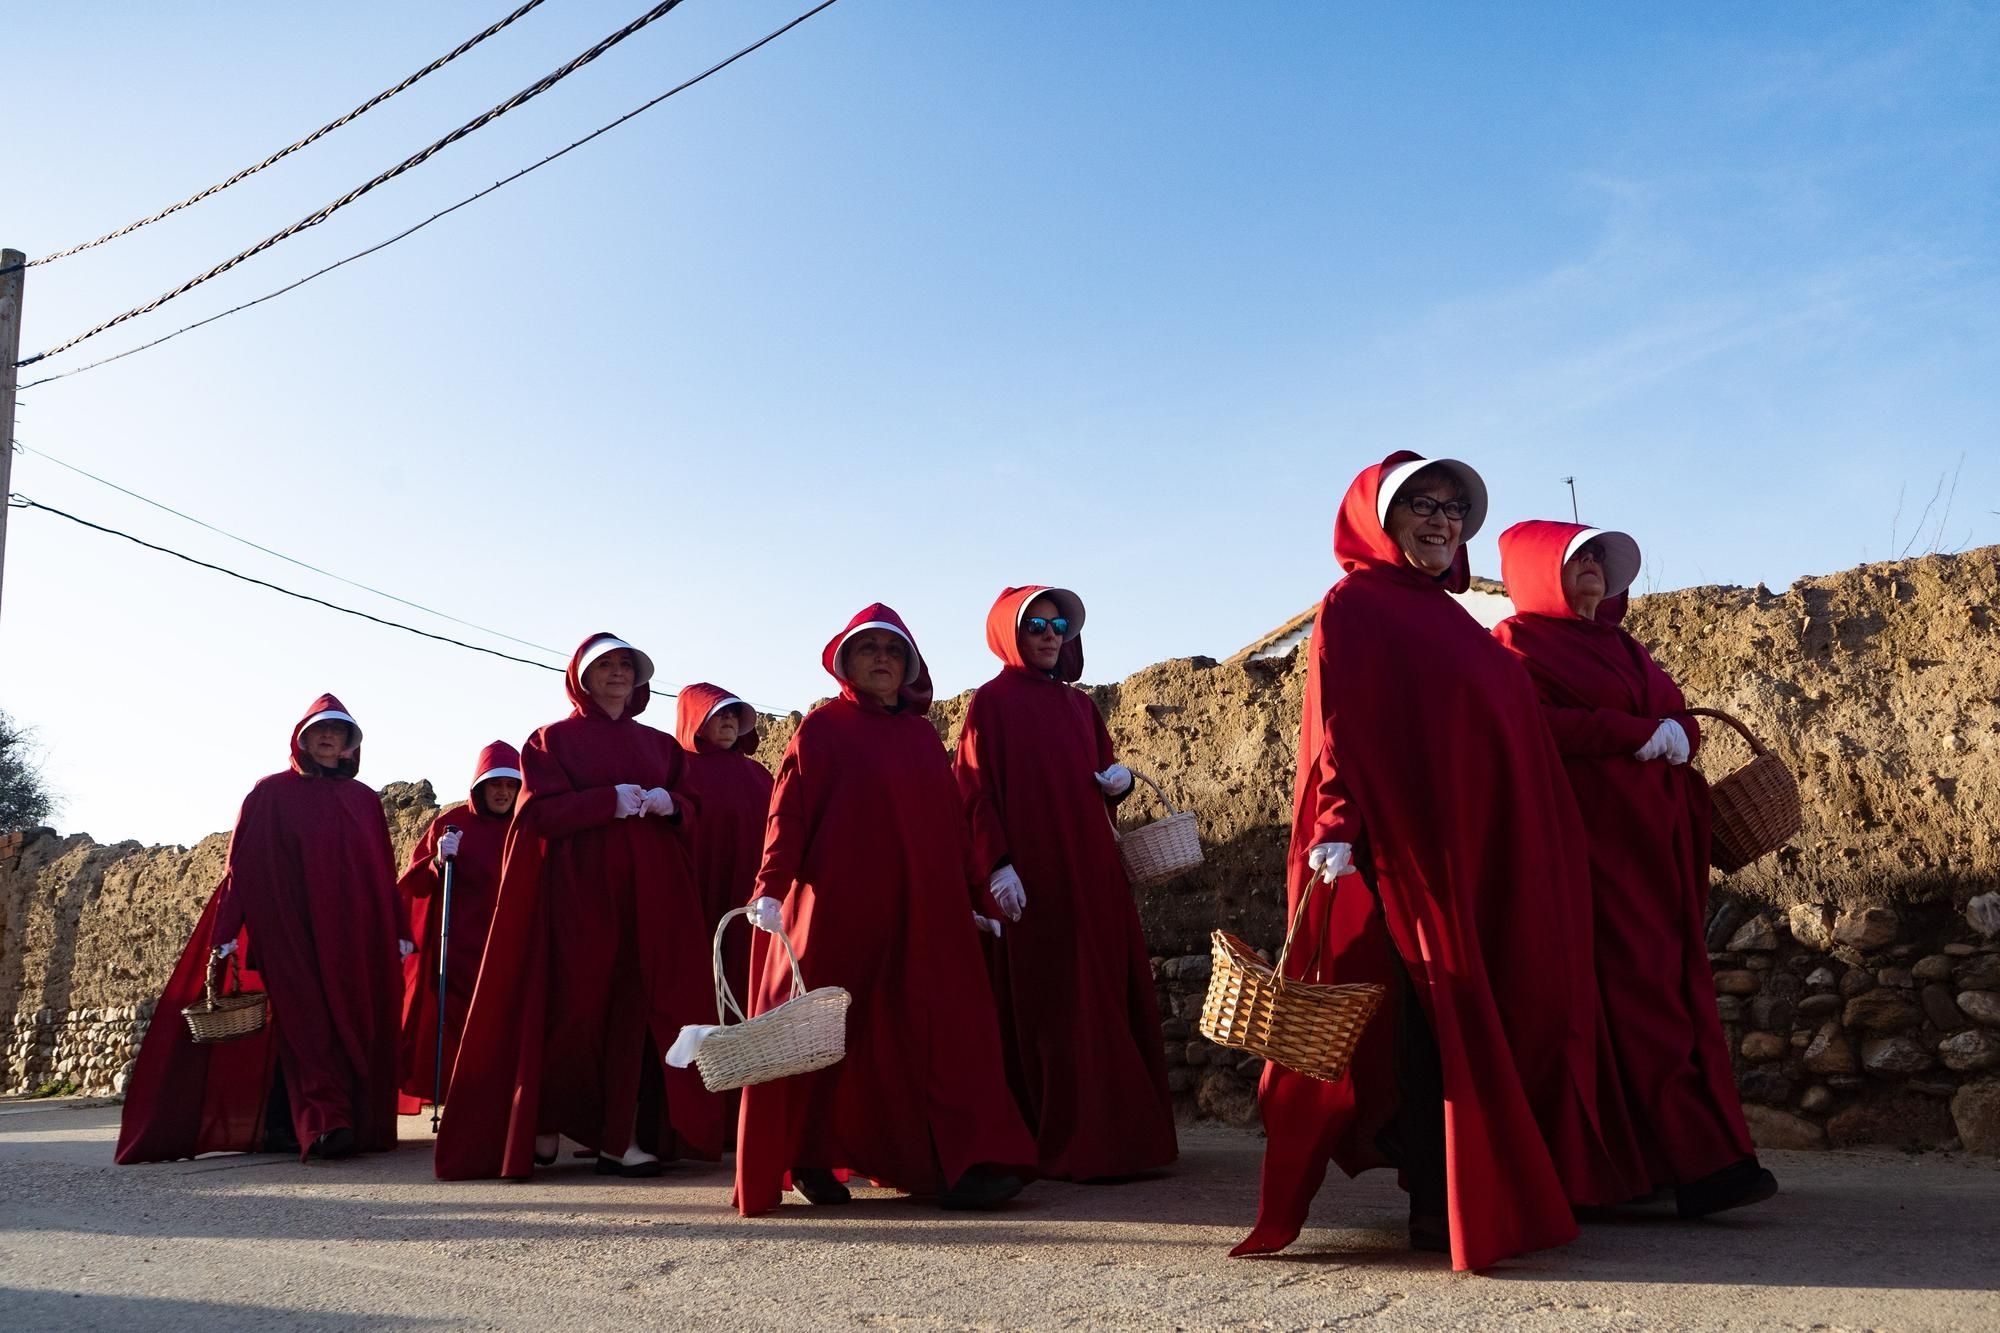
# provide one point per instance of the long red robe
(475, 883)
(867, 851)
(595, 960)
(1422, 744)
(735, 795)
(1078, 1018)
(309, 894)
(1648, 834)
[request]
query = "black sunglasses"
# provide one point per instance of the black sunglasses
(1423, 506)
(1042, 625)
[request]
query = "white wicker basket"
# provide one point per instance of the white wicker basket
(806, 1032)
(1163, 849)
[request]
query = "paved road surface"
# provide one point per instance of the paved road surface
(1857, 1240)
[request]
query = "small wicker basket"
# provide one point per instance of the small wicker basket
(1756, 808)
(1311, 1027)
(1163, 849)
(235, 1013)
(806, 1032)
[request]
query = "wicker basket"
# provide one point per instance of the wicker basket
(806, 1032)
(1311, 1027)
(235, 1013)
(1167, 847)
(1756, 807)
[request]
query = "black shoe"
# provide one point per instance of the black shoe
(335, 1144)
(611, 1166)
(281, 1139)
(540, 1160)
(1430, 1233)
(1734, 1186)
(979, 1188)
(817, 1185)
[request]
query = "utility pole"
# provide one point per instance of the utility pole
(13, 275)
(1571, 483)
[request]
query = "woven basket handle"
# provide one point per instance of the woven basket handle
(725, 1003)
(1157, 789)
(1756, 746)
(1291, 932)
(228, 969)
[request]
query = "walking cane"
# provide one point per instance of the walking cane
(444, 955)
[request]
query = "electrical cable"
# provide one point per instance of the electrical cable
(316, 135)
(716, 68)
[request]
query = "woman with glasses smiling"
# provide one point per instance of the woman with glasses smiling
(1436, 842)
(1078, 1018)
(1626, 738)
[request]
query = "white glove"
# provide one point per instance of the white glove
(987, 924)
(631, 800)
(1008, 894)
(1331, 860)
(224, 950)
(1115, 780)
(1681, 750)
(406, 947)
(1667, 741)
(764, 915)
(448, 844)
(658, 801)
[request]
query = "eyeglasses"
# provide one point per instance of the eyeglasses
(1590, 551)
(1042, 625)
(1423, 506)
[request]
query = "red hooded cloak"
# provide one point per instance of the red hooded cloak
(475, 883)
(735, 794)
(1647, 826)
(1424, 747)
(595, 959)
(1078, 1018)
(866, 849)
(309, 894)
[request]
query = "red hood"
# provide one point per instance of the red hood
(1360, 541)
(350, 758)
(1532, 555)
(497, 760)
(698, 703)
(916, 691)
(1003, 625)
(581, 704)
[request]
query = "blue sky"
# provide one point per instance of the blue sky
(925, 299)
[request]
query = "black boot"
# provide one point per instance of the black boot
(335, 1144)
(1734, 1186)
(981, 1187)
(817, 1185)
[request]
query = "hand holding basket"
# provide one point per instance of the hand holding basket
(1756, 808)
(806, 1032)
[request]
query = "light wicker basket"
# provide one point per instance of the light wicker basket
(1311, 1027)
(806, 1032)
(1162, 849)
(235, 1013)
(1756, 808)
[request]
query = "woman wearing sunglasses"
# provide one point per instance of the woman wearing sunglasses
(1078, 1018)
(1626, 739)
(1438, 849)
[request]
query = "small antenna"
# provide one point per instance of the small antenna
(1571, 483)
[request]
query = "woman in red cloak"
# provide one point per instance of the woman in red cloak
(719, 733)
(867, 868)
(597, 955)
(1626, 738)
(1078, 1018)
(1424, 765)
(471, 835)
(308, 906)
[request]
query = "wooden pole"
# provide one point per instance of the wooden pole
(13, 274)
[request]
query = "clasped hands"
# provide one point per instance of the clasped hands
(636, 800)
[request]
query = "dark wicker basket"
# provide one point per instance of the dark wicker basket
(1756, 807)
(1310, 1027)
(229, 1016)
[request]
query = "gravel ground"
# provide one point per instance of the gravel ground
(1856, 1240)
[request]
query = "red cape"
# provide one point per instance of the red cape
(735, 794)
(1422, 744)
(475, 883)
(1647, 826)
(866, 849)
(309, 893)
(1079, 1022)
(595, 960)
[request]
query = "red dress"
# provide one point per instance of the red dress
(1647, 831)
(1078, 1018)
(1422, 744)
(595, 960)
(867, 851)
(309, 894)
(734, 791)
(475, 883)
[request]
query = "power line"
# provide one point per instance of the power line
(716, 68)
(417, 159)
(290, 560)
(317, 134)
